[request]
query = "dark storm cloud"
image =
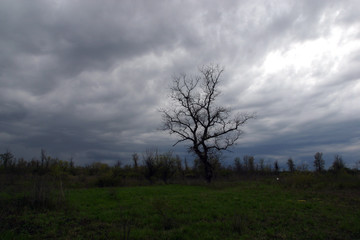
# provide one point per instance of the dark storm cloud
(85, 78)
(47, 47)
(45, 42)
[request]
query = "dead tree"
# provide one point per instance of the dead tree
(194, 116)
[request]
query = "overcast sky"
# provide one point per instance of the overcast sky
(86, 78)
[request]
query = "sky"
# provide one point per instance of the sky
(86, 78)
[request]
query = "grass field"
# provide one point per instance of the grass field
(244, 210)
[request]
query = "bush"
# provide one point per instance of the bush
(338, 164)
(166, 167)
(150, 165)
(109, 180)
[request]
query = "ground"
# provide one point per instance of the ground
(254, 209)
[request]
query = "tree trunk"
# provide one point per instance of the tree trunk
(208, 170)
(204, 159)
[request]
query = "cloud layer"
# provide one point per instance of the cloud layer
(85, 78)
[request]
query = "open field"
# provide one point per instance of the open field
(257, 209)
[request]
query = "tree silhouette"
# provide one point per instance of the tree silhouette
(291, 165)
(338, 163)
(276, 167)
(194, 116)
(319, 162)
(7, 158)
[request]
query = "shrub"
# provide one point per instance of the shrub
(291, 165)
(338, 164)
(162, 208)
(107, 181)
(319, 162)
(150, 165)
(239, 224)
(166, 167)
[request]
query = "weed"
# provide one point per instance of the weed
(125, 226)
(162, 208)
(239, 224)
(107, 181)
(113, 193)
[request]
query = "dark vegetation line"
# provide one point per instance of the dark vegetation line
(154, 167)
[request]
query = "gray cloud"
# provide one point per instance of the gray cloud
(85, 79)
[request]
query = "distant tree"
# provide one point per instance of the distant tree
(7, 158)
(178, 163)
(186, 165)
(118, 164)
(72, 168)
(237, 164)
(179, 167)
(250, 163)
(97, 168)
(34, 164)
(319, 162)
(21, 164)
(167, 166)
(71, 164)
(116, 170)
(357, 165)
(276, 166)
(194, 116)
(245, 163)
(303, 167)
(338, 163)
(291, 165)
(261, 165)
(151, 165)
(43, 157)
(135, 158)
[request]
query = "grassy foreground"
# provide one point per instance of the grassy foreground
(244, 210)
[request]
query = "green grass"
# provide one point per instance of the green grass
(245, 210)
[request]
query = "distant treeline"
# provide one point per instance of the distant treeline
(153, 167)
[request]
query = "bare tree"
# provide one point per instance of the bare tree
(135, 158)
(151, 166)
(338, 163)
(276, 167)
(291, 165)
(319, 162)
(238, 165)
(195, 118)
(43, 158)
(249, 163)
(6, 159)
(261, 165)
